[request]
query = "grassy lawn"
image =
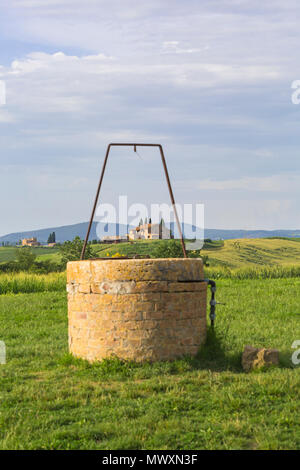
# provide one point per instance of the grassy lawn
(48, 400)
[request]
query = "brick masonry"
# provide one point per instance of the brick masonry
(137, 309)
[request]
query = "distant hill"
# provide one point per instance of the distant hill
(69, 232)
(64, 233)
(216, 234)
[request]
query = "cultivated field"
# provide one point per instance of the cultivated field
(48, 400)
(258, 252)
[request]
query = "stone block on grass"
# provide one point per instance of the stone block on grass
(256, 358)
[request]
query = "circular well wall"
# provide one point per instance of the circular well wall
(136, 309)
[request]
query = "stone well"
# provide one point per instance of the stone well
(137, 309)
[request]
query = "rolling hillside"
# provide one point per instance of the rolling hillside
(228, 253)
(255, 253)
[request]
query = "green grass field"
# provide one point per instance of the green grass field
(48, 400)
(43, 253)
(26, 283)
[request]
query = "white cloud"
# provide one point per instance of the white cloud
(59, 82)
(250, 214)
(173, 47)
(6, 117)
(283, 183)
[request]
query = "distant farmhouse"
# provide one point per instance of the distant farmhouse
(30, 242)
(150, 232)
(142, 232)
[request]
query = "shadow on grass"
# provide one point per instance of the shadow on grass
(285, 359)
(211, 357)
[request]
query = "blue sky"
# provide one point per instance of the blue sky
(209, 80)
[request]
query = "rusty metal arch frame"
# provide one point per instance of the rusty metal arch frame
(168, 183)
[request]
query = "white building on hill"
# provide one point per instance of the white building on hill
(150, 232)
